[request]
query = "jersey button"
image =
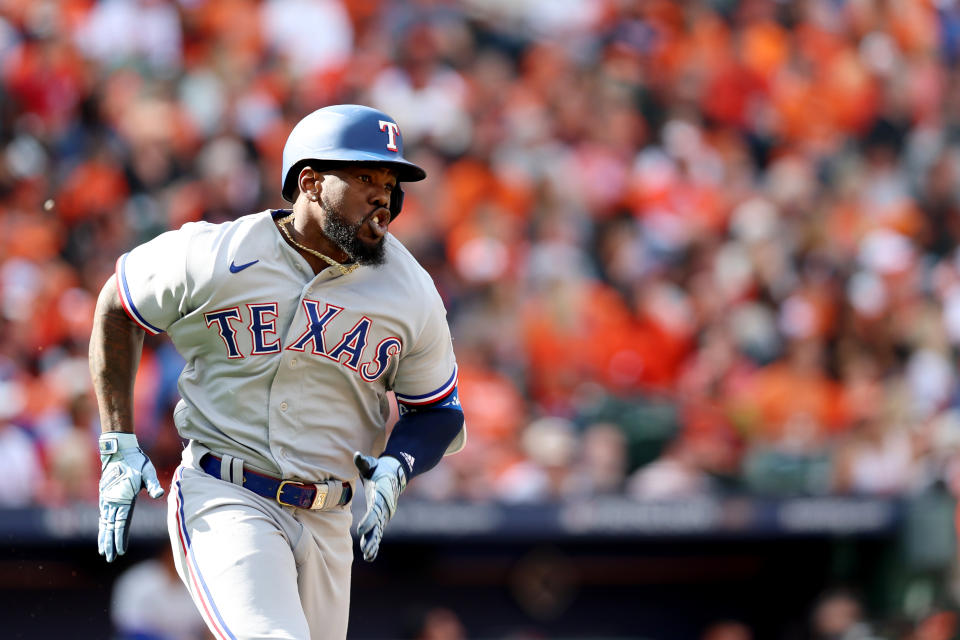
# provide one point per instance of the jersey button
(293, 362)
(283, 406)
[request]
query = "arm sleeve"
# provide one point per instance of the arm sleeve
(152, 281)
(422, 436)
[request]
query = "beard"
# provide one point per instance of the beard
(346, 237)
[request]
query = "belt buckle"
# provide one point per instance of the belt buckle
(284, 483)
(319, 502)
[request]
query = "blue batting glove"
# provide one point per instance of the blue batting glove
(384, 479)
(124, 470)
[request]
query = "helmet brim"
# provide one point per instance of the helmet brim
(406, 171)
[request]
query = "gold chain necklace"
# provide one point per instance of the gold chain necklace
(344, 269)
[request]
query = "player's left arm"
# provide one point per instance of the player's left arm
(423, 434)
(431, 419)
(418, 442)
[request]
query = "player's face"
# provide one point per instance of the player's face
(355, 202)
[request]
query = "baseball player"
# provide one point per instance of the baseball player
(294, 325)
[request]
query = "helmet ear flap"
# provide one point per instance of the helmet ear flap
(290, 187)
(396, 202)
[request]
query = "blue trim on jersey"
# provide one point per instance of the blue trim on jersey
(126, 294)
(193, 558)
(438, 393)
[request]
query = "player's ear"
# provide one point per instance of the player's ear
(309, 183)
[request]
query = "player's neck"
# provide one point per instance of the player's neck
(306, 230)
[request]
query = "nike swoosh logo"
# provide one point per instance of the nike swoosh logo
(237, 268)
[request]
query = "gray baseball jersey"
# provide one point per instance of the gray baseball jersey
(286, 369)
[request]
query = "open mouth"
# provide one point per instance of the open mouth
(375, 227)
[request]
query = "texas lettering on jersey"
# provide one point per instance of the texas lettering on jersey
(348, 350)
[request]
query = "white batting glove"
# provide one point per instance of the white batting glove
(124, 470)
(384, 479)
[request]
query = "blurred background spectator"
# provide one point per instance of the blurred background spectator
(727, 630)
(686, 247)
(839, 615)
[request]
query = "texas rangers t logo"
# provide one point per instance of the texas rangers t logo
(392, 129)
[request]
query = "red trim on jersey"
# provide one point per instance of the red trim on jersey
(430, 398)
(190, 561)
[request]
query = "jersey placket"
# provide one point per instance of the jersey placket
(287, 397)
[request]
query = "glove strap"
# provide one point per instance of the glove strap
(396, 468)
(111, 443)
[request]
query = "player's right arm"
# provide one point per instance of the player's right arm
(115, 347)
(145, 295)
(116, 343)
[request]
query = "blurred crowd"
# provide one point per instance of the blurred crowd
(685, 247)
